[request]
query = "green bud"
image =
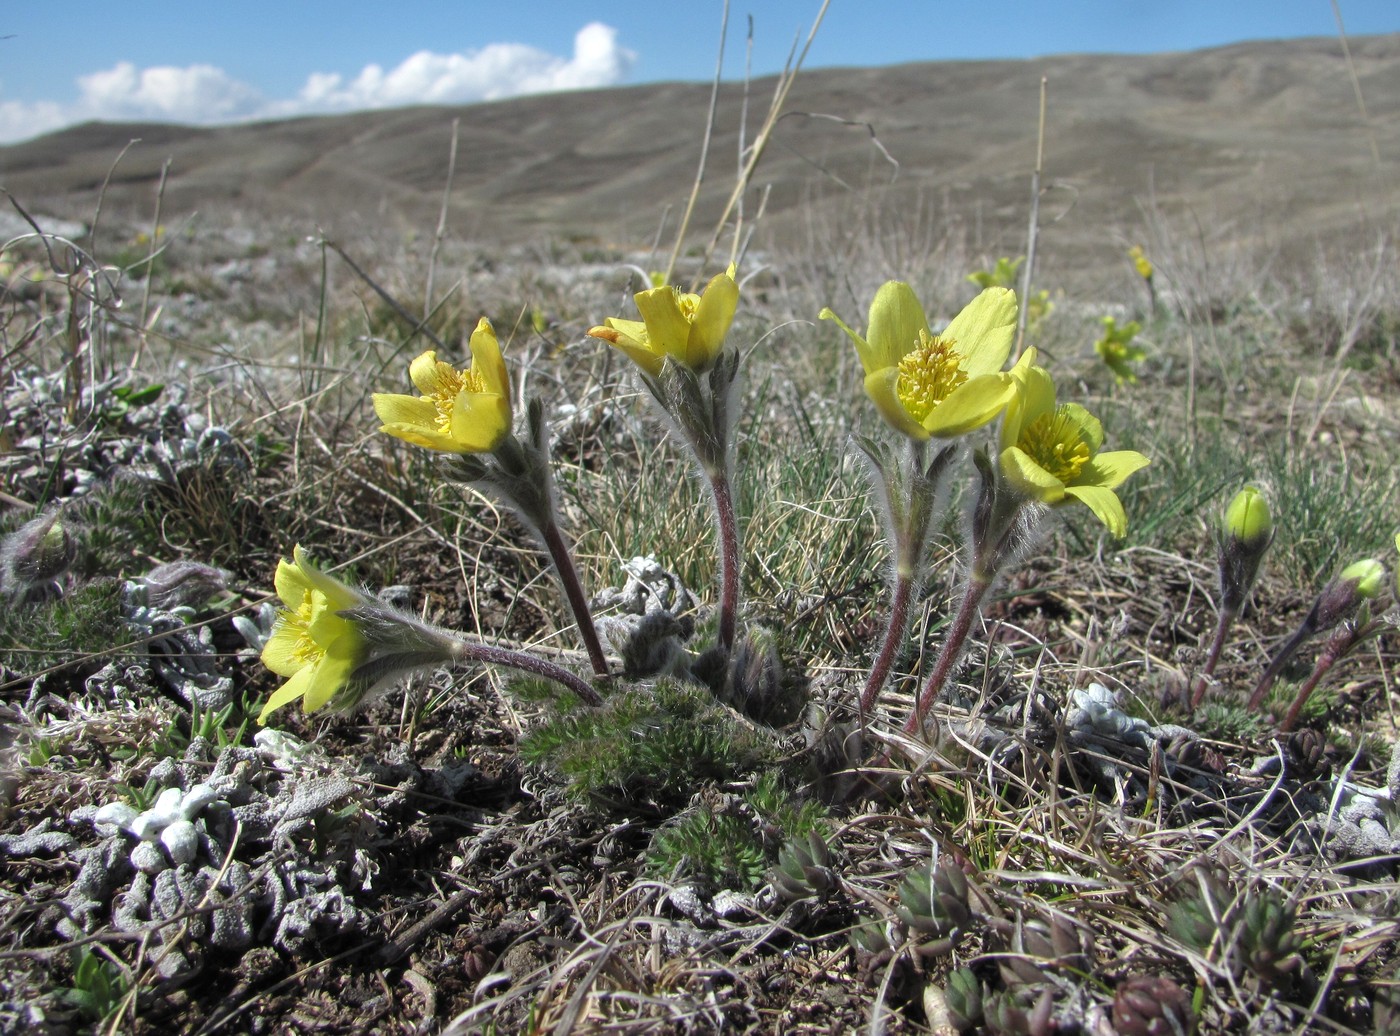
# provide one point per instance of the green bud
(1248, 531)
(1248, 521)
(1366, 575)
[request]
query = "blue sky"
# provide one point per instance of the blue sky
(66, 61)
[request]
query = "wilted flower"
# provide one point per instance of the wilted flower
(1051, 452)
(1116, 350)
(460, 411)
(689, 328)
(943, 385)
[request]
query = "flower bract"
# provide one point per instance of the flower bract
(1051, 452)
(942, 385)
(689, 328)
(312, 645)
(459, 411)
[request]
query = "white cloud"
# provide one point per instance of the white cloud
(495, 71)
(206, 94)
(199, 93)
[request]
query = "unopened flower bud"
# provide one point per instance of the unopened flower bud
(1248, 531)
(1248, 521)
(1358, 582)
(35, 555)
(1366, 575)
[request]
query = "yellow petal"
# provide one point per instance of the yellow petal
(334, 670)
(668, 330)
(487, 360)
(336, 593)
(971, 405)
(1029, 477)
(1090, 427)
(1036, 396)
(880, 386)
(1108, 470)
(984, 331)
(1105, 504)
(429, 376)
(480, 420)
(413, 411)
(291, 585)
(288, 692)
(280, 653)
(896, 320)
(713, 318)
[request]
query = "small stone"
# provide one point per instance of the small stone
(113, 817)
(198, 797)
(181, 841)
(147, 858)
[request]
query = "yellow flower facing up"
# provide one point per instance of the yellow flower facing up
(689, 328)
(460, 411)
(1052, 452)
(312, 645)
(942, 385)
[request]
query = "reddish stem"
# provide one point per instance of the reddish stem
(894, 638)
(563, 560)
(950, 653)
(1201, 680)
(728, 527)
(529, 664)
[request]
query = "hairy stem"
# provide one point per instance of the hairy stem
(563, 560)
(894, 637)
(468, 650)
(951, 651)
(727, 524)
(1201, 680)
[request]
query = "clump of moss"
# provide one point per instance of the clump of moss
(85, 624)
(647, 747)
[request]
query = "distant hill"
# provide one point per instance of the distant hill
(1265, 138)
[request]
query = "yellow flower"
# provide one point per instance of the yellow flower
(459, 411)
(312, 645)
(1117, 350)
(1052, 452)
(688, 328)
(940, 385)
(1141, 263)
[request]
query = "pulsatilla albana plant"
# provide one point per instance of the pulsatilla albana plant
(943, 387)
(467, 415)
(338, 646)
(679, 350)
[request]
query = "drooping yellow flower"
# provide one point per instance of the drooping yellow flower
(689, 328)
(943, 385)
(460, 411)
(312, 645)
(1052, 452)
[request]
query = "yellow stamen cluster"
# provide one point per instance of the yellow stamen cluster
(1054, 442)
(929, 374)
(688, 304)
(450, 382)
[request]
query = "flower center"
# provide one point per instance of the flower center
(452, 382)
(1054, 442)
(687, 303)
(928, 375)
